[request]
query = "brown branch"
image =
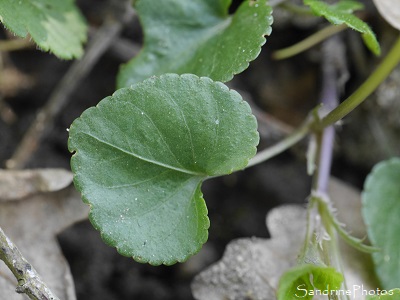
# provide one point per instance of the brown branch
(16, 44)
(102, 40)
(29, 281)
(60, 95)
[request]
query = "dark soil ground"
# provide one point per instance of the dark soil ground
(237, 203)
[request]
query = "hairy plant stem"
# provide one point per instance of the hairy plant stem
(29, 281)
(323, 158)
(325, 141)
(390, 61)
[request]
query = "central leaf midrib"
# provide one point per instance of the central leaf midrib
(146, 159)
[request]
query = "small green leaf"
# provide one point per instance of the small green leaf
(55, 26)
(347, 6)
(386, 295)
(199, 37)
(142, 154)
(300, 282)
(342, 12)
(381, 211)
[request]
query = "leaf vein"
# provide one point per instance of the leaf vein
(158, 131)
(144, 158)
(135, 183)
(169, 98)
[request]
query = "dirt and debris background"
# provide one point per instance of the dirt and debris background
(286, 90)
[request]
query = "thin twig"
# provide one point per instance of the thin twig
(124, 49)
(274, 3)
(61, 93)
(269, 127)
(15, 44)
(102, 40)
(29, 281)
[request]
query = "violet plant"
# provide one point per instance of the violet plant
(141, 155)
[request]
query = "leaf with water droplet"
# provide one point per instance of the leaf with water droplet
(198, 37)
(157, 142)
(55, 26)
(381, 211)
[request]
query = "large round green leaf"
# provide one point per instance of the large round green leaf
(381, 212)
(199, 37)
(142, 154)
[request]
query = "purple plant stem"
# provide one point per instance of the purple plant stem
(329, 99)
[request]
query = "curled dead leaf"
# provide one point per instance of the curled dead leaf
(18, 184)
(47, 204)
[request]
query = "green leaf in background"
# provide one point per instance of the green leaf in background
(387, 295)
(381, 212)
(142, 154)
(342, 12)
(55, 26)
(198, 37)
(300, 282)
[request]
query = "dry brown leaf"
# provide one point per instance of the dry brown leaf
(12, 81)
(390, 11)
(49, 205)
(15, 185)
(251, 267)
